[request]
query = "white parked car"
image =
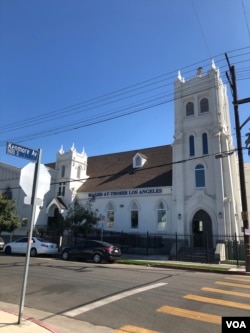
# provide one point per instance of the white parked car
(38, 246)
(1, 243)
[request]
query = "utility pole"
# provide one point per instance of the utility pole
(244, 213)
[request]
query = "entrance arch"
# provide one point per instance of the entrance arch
(202, 229)
(55, 224)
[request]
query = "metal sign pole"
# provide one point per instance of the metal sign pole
(33, 212)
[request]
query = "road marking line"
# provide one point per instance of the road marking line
(226, 292)
(247, 286)
(217, 301)
(201, 316)
(110, 299)
(133, 329)
(243, 279)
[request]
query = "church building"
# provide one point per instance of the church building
(190, 186)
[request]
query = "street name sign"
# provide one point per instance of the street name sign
(20, 151)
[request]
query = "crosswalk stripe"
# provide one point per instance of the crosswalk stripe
(238, 278)
(133, 329)
(226, 292)
(217, 301)
(239, 285)
(201, 316)
(107, 300)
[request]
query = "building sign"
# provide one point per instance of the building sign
(126, 192)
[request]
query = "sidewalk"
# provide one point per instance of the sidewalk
(231, 269)
(9, 323)
(37, 321)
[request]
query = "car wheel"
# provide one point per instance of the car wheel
(8, 250)
(97, 258)
(65, 255)
(33, 252)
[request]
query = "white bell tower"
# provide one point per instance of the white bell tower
(206, 197)
(71, 169)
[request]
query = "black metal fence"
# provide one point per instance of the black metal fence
(194, 248)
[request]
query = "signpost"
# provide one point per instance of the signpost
(29, 181)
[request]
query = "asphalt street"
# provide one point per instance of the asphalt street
(118, 297)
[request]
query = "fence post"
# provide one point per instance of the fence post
(121, 240)
(236, 249)
(206, 246)
(176, 247)
(147, 243)
(191, 245)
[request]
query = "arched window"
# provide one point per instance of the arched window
(189, 109)
(61, 189)
(204, 106)
(138, 161)
(204, 144)
(63, 171)
(191, 145)
(199, 176)
(110, 215)
(134, 216)
(161, 216)
(79, 169)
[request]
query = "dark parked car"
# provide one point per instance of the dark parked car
(94, 250)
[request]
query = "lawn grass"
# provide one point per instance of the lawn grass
(173, 265)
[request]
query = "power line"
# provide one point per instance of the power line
(245, 16)
(66, 110)
(226, 153)
(158, 83)
(201, 29)
(88, 105)
(97, 119)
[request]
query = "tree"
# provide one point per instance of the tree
(81, 219)
(9, 221)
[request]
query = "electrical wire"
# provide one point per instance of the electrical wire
(147, 87)
(226, 153)
(201, 29)
(245, 17)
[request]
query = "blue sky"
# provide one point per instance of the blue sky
(100, 73)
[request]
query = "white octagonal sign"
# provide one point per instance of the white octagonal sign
(27, 178)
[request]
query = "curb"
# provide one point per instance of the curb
(184, 267)
(33, 320)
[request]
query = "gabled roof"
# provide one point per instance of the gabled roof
(58, 202)
(115, 171)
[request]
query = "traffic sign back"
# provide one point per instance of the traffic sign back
(27, 179)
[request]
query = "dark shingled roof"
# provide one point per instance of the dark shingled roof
(115, 171)
(60, 203)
